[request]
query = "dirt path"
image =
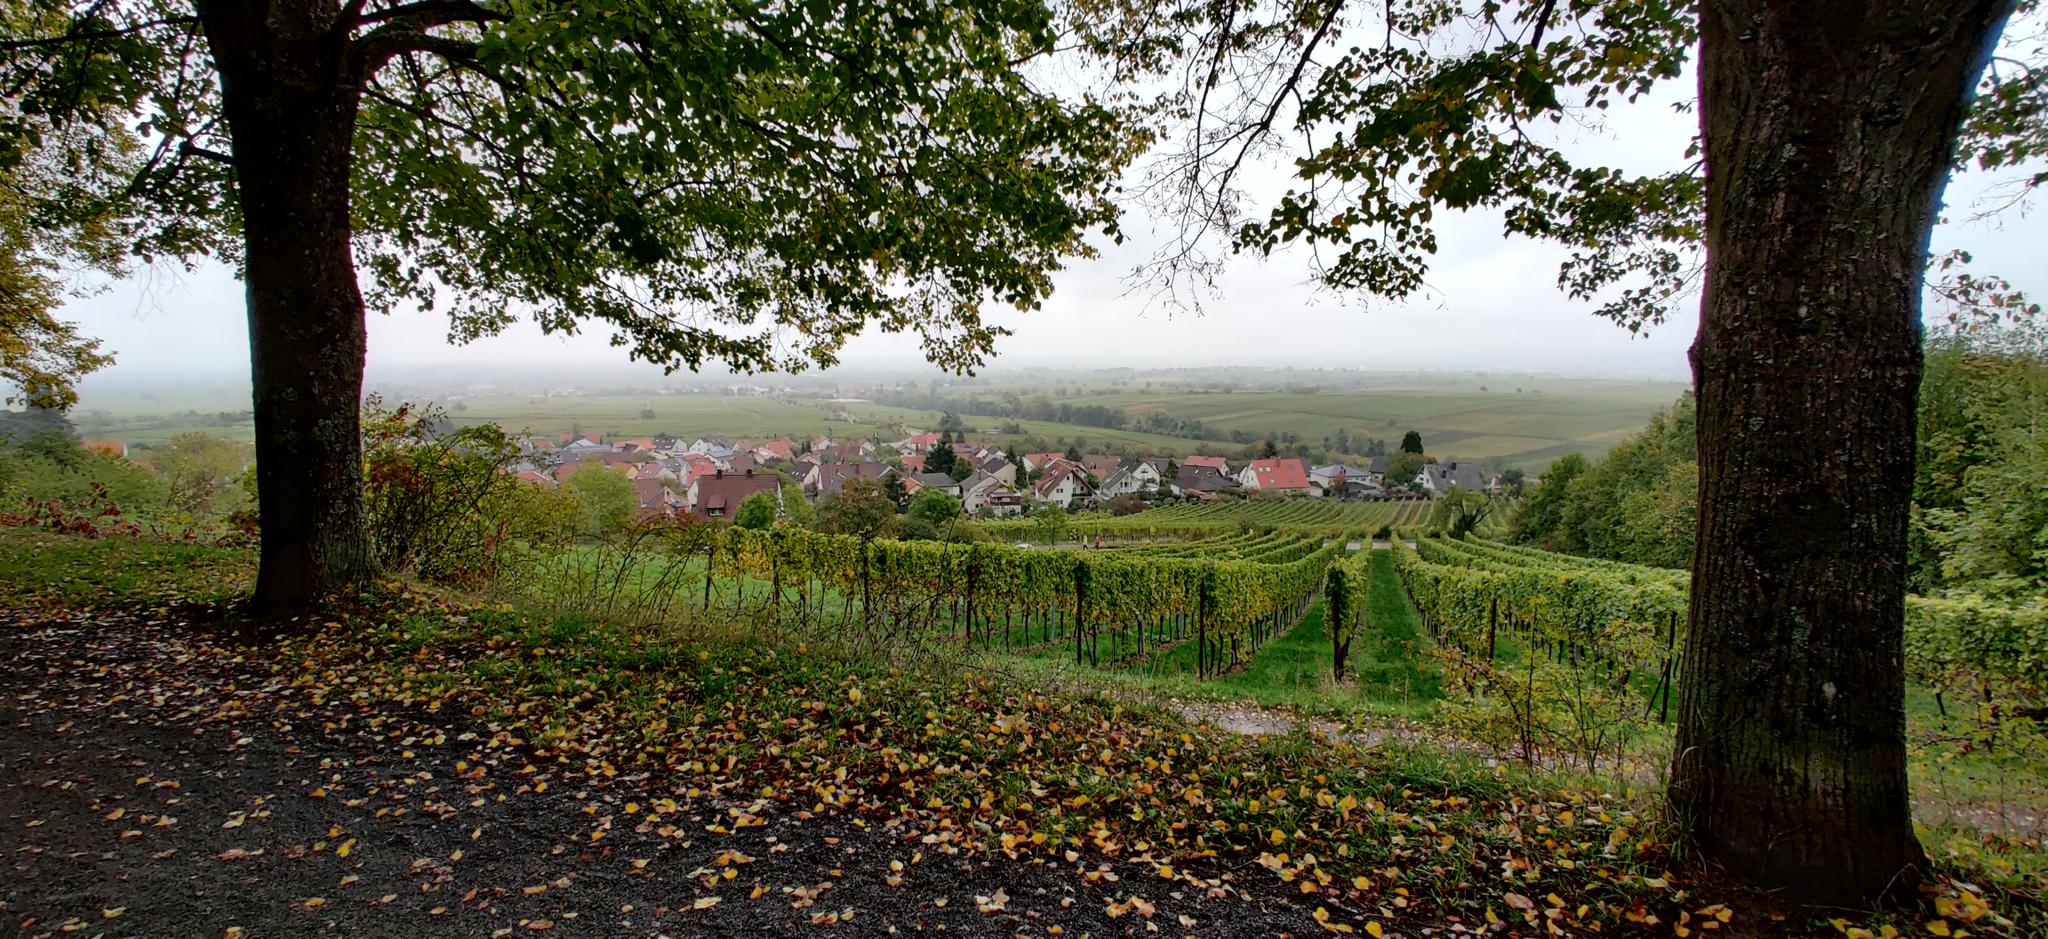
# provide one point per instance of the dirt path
(152, 784)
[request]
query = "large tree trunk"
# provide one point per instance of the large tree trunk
(290, 107)
(1829, 126)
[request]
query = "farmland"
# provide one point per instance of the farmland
(1459, 422)
(1527, 428)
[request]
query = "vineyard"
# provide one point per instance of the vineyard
(1625, 622)
(1324, 515)
(1527, 650)
(1222, 594)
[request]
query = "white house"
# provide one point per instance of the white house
(975, 491)
(1438, 478)
(1061, 485)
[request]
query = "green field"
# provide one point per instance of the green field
(1526, 428)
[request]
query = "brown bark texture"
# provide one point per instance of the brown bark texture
(290, 105)
(1829, 129)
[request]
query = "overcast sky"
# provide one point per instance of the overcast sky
(1493, 303)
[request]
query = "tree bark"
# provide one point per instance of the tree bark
(1829, 128)
(290, 105)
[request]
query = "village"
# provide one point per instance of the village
(707, 477)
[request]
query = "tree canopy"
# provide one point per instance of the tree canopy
(756, 511)
(751, 184)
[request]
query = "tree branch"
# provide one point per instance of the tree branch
(188, 148)
(1265, 123)
(16, 45)
(379, 46)
(1542, 22)
(425, 14)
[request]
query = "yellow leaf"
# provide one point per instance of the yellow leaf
(1322, 918)
(704, 903)
(345, 848)
(1372, 927)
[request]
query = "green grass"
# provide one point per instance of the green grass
(1385, 674)
(41, 567)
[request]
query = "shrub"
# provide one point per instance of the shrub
(441, 504)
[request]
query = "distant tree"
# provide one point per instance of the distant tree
(1540, 518)
(1074, 453)
(647, 414)
(962, 468)
(756, 511)
(1511, 480)
(892, 487)
(934, 507)
(1268, 450)
(1456, 512)
(1411, 442)
(1403, 467)
(1049, 522)
(19, 426)
(940, 458)
(860, 508)
(795, 509)
(605, 500)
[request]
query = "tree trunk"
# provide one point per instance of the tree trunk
(290, 106)
(1829, 126)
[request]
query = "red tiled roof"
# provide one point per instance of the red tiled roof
(1061, 470)
(1283, 473)
(1221, 464)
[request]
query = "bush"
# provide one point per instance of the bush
(934, 507)
(1541, 710)
(756, 511)
(441, 504)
